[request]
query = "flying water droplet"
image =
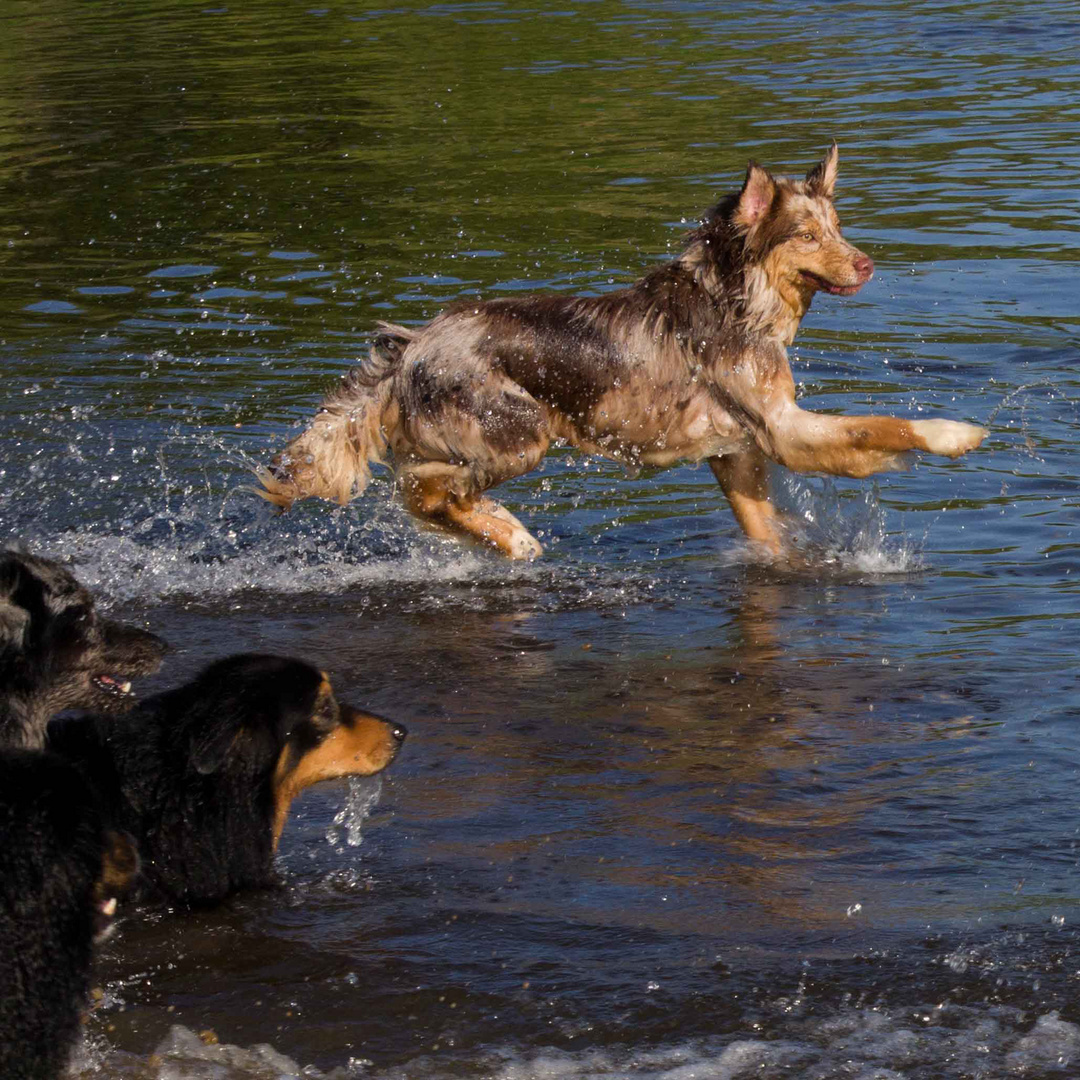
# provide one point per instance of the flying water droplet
(345, 829)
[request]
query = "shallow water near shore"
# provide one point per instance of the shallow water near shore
(665, 810)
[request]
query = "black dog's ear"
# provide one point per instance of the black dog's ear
(14, 622)
(14, 618)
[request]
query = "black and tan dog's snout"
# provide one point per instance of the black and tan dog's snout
(373, 738)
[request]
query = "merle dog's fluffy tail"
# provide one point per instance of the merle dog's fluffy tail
(331, 458)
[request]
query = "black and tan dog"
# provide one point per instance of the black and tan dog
(57, 652)
(203, 776)
(688, 364)
(61, 874)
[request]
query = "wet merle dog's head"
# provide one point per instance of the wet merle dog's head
(57, 652)
(775, 244)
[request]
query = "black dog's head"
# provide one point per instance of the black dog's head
(57, 653)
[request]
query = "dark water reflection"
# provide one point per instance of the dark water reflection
(663, 811)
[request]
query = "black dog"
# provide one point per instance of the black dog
(57, 653)
(203, 776)
(61, 872)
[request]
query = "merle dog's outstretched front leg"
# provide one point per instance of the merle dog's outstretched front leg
(761, 392)
(859, 446)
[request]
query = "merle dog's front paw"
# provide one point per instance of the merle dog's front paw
(950, 438)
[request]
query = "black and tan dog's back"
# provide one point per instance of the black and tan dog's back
(688, 364)
(57, 652)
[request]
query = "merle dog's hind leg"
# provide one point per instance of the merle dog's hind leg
(440, 495)
(471, 438)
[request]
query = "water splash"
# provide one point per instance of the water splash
(837, 532)
(172, 518)
(153, 516)
(346, 828)
(179, 521)
(848, 534)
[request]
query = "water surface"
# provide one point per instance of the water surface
(664, 811)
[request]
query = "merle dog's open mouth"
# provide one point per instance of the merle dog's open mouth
(829, 287)
(116, 687)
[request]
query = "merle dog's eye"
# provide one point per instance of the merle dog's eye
(808, 236)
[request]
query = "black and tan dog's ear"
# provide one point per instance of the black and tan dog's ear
(758, 192)
(243, 706)
(215, 733)
(225, 729)
(821, 179)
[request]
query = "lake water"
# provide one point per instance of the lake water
(664, 811)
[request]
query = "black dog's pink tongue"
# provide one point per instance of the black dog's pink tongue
(115, 686)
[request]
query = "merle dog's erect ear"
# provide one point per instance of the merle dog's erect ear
(821, 179)
(756, 197)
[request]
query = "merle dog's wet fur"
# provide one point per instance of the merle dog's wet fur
(688, 364)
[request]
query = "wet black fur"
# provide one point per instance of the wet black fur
(188, 773)
(52, 847)
(52, 642)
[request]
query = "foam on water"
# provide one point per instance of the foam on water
(864, 1044)
(125, 569)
